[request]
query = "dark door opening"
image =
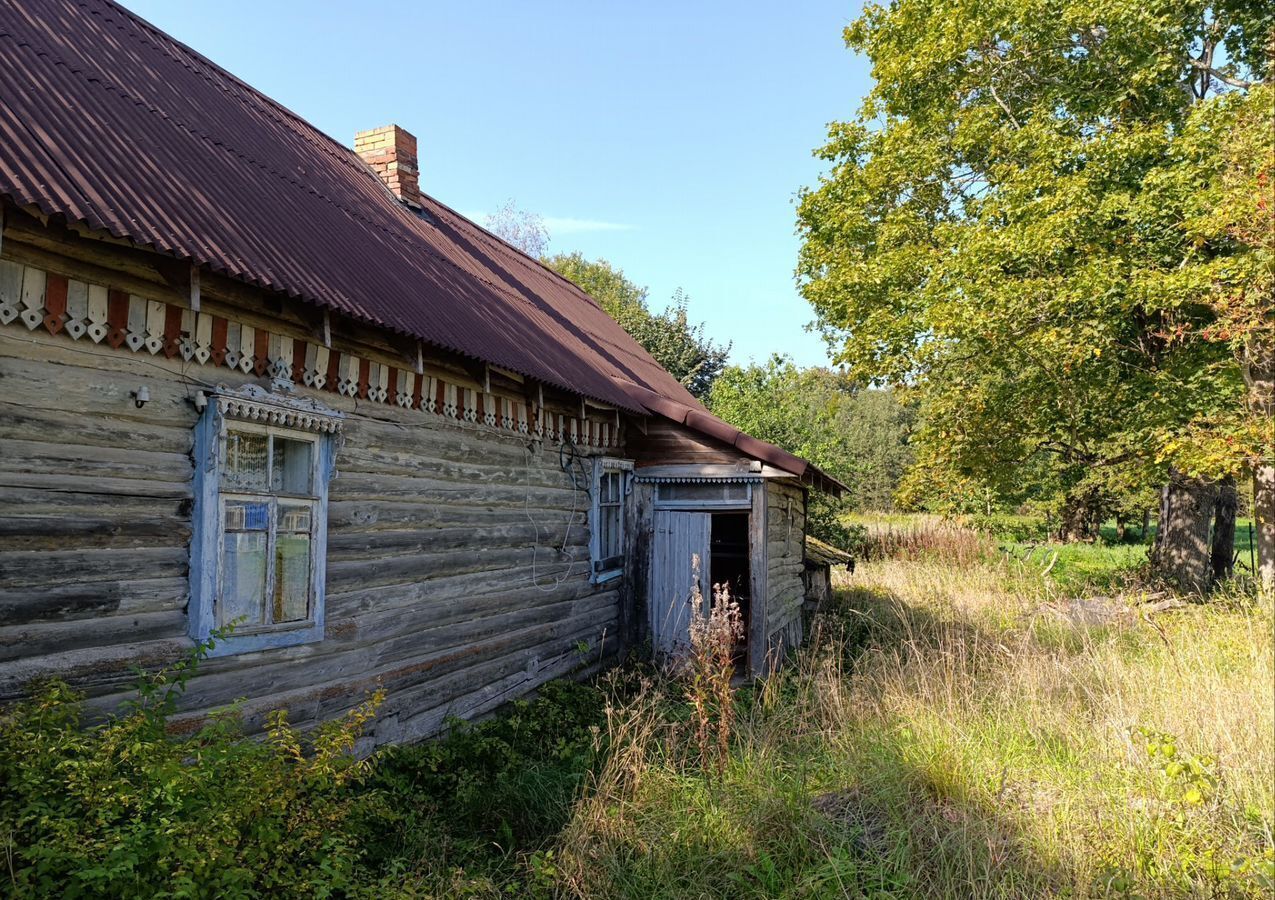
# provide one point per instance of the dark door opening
(728, 563)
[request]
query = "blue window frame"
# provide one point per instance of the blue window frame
(610, 490)
(258, 553)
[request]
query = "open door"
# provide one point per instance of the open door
(679, 538)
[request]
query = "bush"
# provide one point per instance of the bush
(499, 785)
(126, 809)
(1013, 528)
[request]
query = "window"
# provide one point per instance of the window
(700, 494)
(257, 562)
(610, 488)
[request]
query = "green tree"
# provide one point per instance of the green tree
(858, 436)
(679, 346)
(1006, 229)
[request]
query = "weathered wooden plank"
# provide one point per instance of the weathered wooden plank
(449, 587)
(43, 457)
(350, 545)
(759, 582)
(478, 468)
(444, 625)
(370, 516)
(396, 665)
(53, 483)
(89, 527)
(93, 428)
(404, 569)
(428, 700)
(89, 664)
(35, 639)
(385, 487)
(27, 569)
(102, 596)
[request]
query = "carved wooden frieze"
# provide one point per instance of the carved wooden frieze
(253, 403)
(34, 298)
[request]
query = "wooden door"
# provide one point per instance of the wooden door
(679, 538)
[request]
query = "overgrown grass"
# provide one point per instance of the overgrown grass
(961, 732)
(961, 725)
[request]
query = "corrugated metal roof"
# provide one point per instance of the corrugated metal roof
(108, 122)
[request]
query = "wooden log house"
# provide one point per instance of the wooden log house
(249, 375)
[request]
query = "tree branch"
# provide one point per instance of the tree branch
(1001, 103)
(1228, 80)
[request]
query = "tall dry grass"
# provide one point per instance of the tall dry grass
(924, 537)
(957, 731)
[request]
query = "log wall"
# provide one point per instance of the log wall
(785, 564)
(457, 555)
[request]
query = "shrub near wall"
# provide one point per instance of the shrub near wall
(125, 809)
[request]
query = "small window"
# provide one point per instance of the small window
(610, 489)
(257, 561)
(268, 514)
(703, 494)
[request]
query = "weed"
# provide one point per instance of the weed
(708, 671)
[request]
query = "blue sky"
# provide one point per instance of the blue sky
(669, 138)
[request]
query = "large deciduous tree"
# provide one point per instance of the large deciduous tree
(677, 344)
(1040, 221)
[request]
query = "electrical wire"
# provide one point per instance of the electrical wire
(568, 460)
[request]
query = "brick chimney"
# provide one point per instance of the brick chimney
(391, 152)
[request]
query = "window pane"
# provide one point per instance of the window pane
(292, 465)
(243, 582)
(292, 578)
(245, 461)
(247, 516)
(703, 492)
(611, 546)
(294, 517)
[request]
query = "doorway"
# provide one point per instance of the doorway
(729, 564)
(696, 550)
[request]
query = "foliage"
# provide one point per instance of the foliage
(1035, 225)
(860, 437)
(679, 346)
(920, 537)
(129, 808)
(484, 790)
(953, 729)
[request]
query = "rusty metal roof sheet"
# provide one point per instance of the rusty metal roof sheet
(110, 123)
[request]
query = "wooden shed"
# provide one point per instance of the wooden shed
(252, 378)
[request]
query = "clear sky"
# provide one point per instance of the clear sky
(668, 137)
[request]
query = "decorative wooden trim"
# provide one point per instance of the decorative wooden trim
(254, 403)
(128, 322)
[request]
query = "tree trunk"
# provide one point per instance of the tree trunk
(1181, 552)
(1264, 524)
(1146, 524)
(1079, 517)
(1120, 528)
(1223, 552)
(1259, 377)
